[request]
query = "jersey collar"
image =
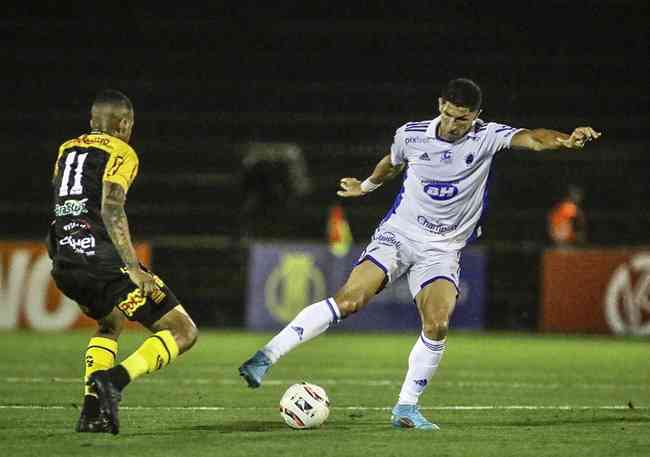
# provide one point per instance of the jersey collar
(99, 132)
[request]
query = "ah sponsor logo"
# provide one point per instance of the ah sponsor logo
(441, 191)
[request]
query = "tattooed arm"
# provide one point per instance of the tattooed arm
(114, 217)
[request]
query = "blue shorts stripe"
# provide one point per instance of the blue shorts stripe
(429, 281)
(376, 262)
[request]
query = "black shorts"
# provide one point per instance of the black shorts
(97, 297)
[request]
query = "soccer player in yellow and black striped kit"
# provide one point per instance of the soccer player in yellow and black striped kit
(95, 264)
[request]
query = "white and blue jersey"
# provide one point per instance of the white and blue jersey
(440, 205)
(445, 185)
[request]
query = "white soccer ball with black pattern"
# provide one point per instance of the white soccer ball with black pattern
(304, 405)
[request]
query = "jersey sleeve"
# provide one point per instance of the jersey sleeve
(398, 150)
(62, 148)
(55, 170)
(500, 135)
(122, 167)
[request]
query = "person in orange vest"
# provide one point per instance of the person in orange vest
(566, 220)
(338, 232)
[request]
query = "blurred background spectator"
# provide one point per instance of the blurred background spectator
(567, 224)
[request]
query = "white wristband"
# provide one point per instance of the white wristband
(369, 186)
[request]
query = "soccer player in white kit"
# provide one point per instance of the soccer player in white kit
(435, 214)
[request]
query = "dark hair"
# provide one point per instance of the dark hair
(113, 97)
(463, 92)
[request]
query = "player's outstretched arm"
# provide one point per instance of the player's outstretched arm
(544, 139)
(385, 170)
(117, 226)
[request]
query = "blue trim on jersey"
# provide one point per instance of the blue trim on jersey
(479, 225)
(396, 202)
(421, 127)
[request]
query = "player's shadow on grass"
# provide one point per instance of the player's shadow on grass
(238, 426)
(248, 426)
(214, 428)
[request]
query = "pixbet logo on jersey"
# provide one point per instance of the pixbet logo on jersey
(441, 190)
(417, 139)
(627, 299)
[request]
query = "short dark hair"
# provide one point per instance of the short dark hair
(113, 97)
(463, 92)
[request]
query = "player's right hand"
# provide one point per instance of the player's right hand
(144, 280)
(351, 188)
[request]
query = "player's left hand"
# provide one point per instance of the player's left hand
(351, 188)
(145, 281)
(579, 137)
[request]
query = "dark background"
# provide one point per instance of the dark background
(337, 80)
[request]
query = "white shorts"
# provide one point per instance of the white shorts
(423, 263)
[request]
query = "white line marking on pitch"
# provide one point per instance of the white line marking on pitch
(353, 382)
(356, 408)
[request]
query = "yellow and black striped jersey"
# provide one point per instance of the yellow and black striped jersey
(83, 164)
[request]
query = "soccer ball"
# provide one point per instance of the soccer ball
(304, 405)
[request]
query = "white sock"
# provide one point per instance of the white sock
(309, 323)
(423, 361)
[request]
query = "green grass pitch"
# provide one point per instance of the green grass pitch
(494, 395)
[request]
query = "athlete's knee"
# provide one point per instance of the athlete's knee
(109, 330)
(110, 327)
(435, 313)
(182, 328)
(435, 329)
(351, 300)
(435, 322)
(185, 334)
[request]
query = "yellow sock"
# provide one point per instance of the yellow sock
(157, 351)
(100, 355)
